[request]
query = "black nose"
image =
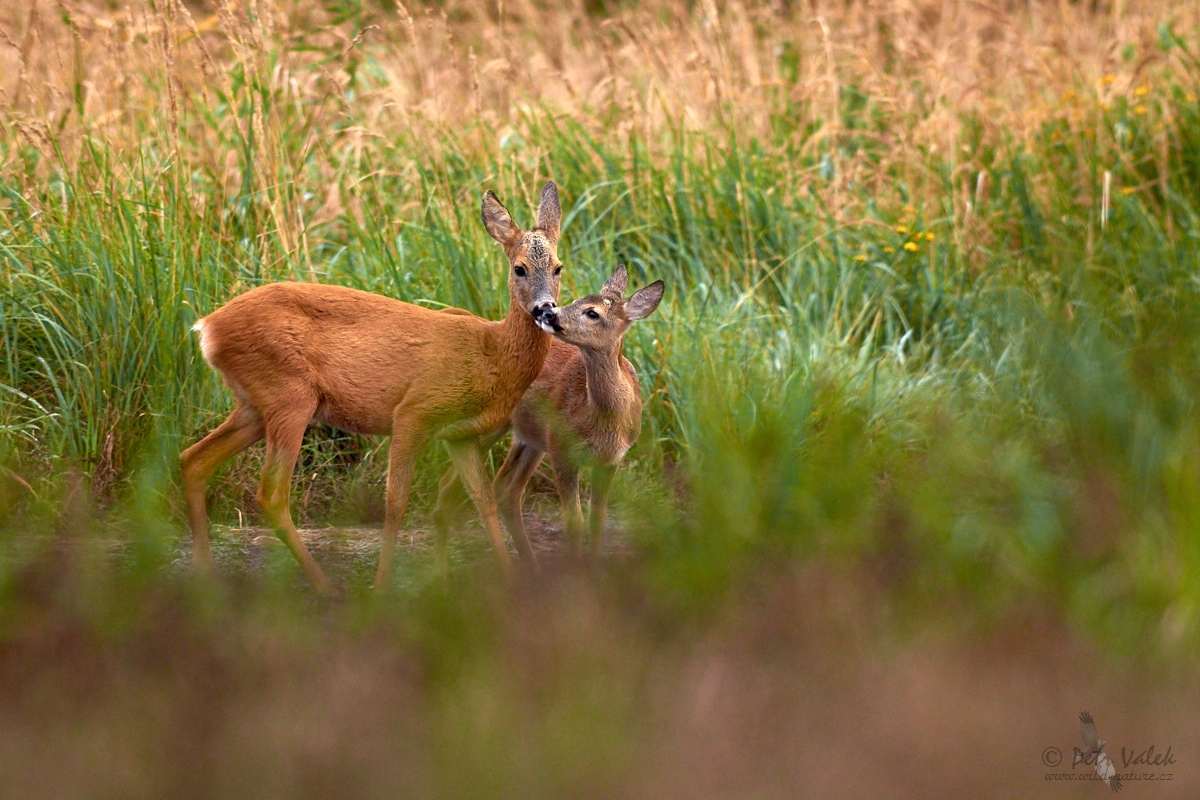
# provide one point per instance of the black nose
(540, 311)
(551, 319)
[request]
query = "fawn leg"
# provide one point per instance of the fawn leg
(241, 429)
(602, 477)
(407, 444)
(512, 478)
(468, 463)
(285, 434)
(566, 477)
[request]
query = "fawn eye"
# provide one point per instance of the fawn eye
(520, 271)
(591, 314)
(558, 269)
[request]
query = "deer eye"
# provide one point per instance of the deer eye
(520, 271)
(591, 314)
(558, 269)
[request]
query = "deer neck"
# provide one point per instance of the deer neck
(608, 390)
(523, 345)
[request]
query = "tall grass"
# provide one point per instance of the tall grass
(920, 449)
(885, 231)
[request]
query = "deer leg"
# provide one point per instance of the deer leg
(403, 453)
(449, 498)
(468, 462)
(566, 478)
(285, 434)
(451, 494)
(241, 429)
(602, 477)
(510, 483)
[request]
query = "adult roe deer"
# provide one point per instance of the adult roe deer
(296, 353)
(585, 408)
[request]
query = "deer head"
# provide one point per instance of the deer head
(598, 321)
(534, 268)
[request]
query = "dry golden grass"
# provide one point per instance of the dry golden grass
(148, 72)
(917, 482)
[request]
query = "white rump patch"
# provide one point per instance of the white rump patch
(205, 342)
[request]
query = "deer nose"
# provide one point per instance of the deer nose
(548, 321)
(540, 310)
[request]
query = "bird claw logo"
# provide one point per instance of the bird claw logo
(1093, 753)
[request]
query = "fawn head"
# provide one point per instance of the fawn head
(533, 265)
(598, 321)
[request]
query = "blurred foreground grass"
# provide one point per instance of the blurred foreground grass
(921, 458)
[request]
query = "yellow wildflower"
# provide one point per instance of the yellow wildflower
(910, 247)
(1109, 78)
(1127, 190)
(860, 257)
(929, 237)
(1191, 98)
(889, 249)
(1139, 109)
(1141, 91)
(909, 209)
(901, 229)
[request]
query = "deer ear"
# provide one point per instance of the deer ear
(498, 222)
(644, 301)
(615, 285)
(549, 213)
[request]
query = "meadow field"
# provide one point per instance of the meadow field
(919, 473)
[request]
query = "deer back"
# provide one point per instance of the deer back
(360, 356)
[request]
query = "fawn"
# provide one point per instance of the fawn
(296, 354)
(585, 408)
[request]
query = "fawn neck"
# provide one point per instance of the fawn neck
(608, 389)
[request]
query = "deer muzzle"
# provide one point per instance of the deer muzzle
(540, 310)
(547, 319)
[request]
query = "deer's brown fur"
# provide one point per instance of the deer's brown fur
(584, 409)
(296, 354)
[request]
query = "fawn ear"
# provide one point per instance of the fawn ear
(498, 222)
(644, 301)
(615, 285)
(549, 213)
